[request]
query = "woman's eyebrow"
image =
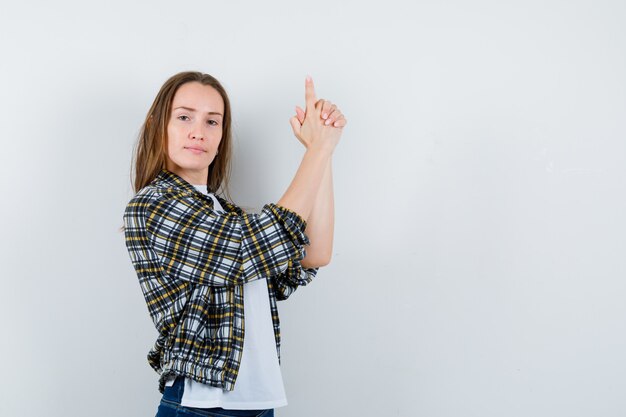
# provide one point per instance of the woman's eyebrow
(190, 109)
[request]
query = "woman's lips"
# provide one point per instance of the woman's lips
(196, 151)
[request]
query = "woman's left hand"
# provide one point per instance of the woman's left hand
(330, 113)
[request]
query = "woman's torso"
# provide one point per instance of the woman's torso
(259, 382)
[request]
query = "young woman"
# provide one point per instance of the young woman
(210, 272)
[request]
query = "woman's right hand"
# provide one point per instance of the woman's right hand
(311, 128)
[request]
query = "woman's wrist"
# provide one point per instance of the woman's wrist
(321, 146)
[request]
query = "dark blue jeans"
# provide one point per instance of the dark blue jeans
(170, 406)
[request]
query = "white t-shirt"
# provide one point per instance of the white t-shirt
(259, 383)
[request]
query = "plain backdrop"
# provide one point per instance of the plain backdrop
(478, 265)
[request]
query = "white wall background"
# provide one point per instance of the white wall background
(479, 253)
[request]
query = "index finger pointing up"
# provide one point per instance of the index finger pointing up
(309, 93)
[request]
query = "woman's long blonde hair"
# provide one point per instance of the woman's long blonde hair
(149, 156)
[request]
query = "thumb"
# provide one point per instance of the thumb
(295, 125)
(300, 114)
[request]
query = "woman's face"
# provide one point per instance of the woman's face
(194, 131)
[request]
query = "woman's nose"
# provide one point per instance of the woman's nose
(197, 133)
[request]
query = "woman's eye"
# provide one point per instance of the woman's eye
(182, 115)
(213, 122)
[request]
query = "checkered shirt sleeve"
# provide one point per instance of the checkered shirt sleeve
(197, 244)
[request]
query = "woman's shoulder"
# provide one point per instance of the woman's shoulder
(152, 192)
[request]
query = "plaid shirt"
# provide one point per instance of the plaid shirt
(192, 262)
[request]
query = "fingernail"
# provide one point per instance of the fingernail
(325, 115)
(327, 122)
(308, 78)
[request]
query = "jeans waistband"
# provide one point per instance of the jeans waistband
(175, 395)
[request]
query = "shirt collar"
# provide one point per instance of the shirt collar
(168, 179)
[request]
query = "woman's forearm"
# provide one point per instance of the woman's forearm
(321, 224)
(302, 192)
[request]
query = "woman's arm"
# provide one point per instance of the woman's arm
(321, 224)
(320, 141)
